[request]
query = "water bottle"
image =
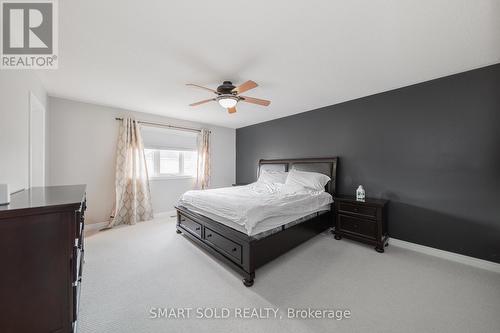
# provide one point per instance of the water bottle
(360, 193)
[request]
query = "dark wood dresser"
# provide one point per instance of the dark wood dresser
(41, 258)
(363, 221)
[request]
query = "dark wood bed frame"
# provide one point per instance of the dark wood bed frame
(244, 253)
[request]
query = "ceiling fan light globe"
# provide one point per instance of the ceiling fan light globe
(228, 102)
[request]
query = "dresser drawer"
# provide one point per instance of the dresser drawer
(82, 233)
(228, 247)
(76, 301)
(188, 224)
(361, 227)
(75, 263)
(367, 211)
(80, 267)
(78, 224)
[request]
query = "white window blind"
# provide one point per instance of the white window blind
(169, 139)
(169, 153)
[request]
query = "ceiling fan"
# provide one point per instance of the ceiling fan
(228, 95)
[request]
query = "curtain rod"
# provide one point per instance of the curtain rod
(166, 125)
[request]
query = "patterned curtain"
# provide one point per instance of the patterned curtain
(203, 171)
(132, 195)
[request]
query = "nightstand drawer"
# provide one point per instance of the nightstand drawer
(361, 227)
(367, 211)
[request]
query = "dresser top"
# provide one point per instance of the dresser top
(62, 197)
(368, 201)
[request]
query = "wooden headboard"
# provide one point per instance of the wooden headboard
(324, 165)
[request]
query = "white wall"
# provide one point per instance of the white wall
(15, 87)
(82, 145)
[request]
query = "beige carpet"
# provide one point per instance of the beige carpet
(130, 270)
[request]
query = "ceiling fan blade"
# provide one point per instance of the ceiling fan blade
(197, 86)
(245, 86)
(201, 102)
(255, 100)
(232, 110)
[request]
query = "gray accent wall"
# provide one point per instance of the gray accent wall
(432, 149)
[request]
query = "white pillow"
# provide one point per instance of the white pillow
(271, 177)
(311, 180)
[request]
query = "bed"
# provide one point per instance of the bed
(265, 234)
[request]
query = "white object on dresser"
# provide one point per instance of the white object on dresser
(4, 194)
(360, 193)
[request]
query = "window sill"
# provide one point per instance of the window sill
(170, 177)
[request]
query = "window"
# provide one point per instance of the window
(171, 163)
(169, 153)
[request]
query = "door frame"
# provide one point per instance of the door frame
(35, 105)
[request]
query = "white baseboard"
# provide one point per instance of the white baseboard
(166, 214)
(98, 226)
(95, 226)
(471, 261)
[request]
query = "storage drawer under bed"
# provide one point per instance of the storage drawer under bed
(190, 225)
(231, 249)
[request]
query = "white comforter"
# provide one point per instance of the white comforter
(250, 204)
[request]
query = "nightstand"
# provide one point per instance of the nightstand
(362, 221)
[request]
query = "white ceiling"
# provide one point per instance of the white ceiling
(138, 55)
